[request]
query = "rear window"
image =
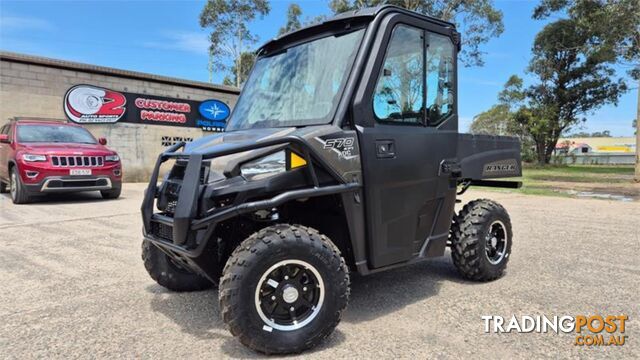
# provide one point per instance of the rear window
(54, 133)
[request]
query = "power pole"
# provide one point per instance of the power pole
(637, 177)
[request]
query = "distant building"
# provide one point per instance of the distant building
(596, 150)
(139, 114)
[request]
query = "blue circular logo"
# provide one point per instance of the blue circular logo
(214, 110)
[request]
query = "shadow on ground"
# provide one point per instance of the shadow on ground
(66, 198)
(373, 296)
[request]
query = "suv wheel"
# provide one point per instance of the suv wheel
(284, 289)
(16, 188)
(111, 194)
(481, 240)
(168, 273)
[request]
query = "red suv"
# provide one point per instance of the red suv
(39, 157)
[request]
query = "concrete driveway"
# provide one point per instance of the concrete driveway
(73, 286)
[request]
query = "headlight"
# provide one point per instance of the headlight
(113, 158)
(33, 157)
(264, 167)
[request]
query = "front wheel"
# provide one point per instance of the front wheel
(481, 240)
(168, 273)
(18, 192)
(284, 289)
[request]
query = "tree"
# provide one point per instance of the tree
(612, 24)
(501, 118)
(582, 134)
(477, 20)
(495, 121)
(571, 82)
(247, 60)
(293, 19)
(230, 35)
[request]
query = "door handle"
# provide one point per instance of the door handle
(385, 149)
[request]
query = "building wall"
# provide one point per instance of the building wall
(37, 90)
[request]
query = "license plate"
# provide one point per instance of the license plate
(79, 171)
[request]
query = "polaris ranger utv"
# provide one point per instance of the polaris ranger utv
(342, 154)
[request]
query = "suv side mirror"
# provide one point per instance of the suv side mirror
(102, 141)
(4, 138)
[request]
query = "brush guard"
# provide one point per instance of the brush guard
(185, 217)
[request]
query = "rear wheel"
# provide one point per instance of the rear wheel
(481, 240)
(284, 289)
(16, 188)
(170, 274)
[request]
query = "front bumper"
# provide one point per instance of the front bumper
(61, 184)
(171, 233)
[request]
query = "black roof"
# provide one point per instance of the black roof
(363, 15)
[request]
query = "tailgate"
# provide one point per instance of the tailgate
(488, 156)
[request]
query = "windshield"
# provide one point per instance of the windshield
(297, 87)
(54, 133)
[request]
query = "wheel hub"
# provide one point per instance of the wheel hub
(290, 294)
(496, 242)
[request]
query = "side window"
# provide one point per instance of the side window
(440, 78)
(399, 92)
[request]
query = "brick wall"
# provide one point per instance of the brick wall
(37, 90)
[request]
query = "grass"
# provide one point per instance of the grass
(560, 180)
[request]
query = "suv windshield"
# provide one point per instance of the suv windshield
(54, 133)
(297, 87)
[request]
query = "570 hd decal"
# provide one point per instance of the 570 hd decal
(345, 146)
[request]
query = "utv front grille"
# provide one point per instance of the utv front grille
(162, 231)
(77, 161)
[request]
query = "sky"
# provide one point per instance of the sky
(165, 38)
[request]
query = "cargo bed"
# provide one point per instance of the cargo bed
(488, 156)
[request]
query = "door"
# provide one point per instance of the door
(412, 129)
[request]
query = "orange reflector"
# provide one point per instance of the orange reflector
(296, 160)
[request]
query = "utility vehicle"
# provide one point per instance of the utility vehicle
(342, 154)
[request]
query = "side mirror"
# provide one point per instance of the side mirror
(102, 141)
(4, 138)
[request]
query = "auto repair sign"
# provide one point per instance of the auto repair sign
(88, 104)
(91, 104)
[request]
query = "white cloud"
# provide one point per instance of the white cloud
(14, 22)
(193, 42)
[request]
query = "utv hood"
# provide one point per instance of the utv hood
(223, 141)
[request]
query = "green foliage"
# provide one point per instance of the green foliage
(502, 119)
(477, 20)
(613, 26)
(582, 134)
(574, 77)
(293, 19)
(247, 59)
(230, 35)
(495, 121)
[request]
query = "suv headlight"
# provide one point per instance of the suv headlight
(33, 157)
(113, 158)
(264, 167)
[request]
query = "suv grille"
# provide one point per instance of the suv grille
(75, 161)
